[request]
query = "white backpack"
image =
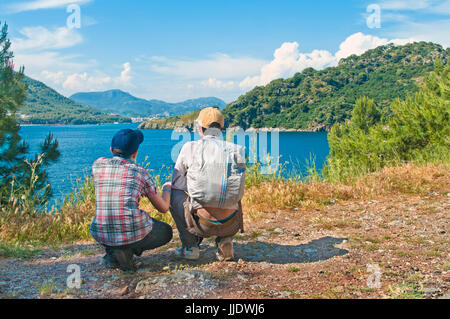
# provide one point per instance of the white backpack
(216, 177)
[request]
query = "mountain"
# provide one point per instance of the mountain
(117, 101)
(43, 105)
(315, 100)
(172, 122)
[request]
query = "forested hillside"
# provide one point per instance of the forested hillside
(315, 100)
(43, 105)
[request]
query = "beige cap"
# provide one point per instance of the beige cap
(210, 115)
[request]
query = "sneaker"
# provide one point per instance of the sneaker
(225, 250)
(124, 258)
(191, 253)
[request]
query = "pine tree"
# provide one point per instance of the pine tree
(365, 114)
(417, 130)
(23, 181)
(421, 122)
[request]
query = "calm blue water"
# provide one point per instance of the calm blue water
(80, 146)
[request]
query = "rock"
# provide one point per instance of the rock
(284, 294)
(178, 277)
(123, 291)
(257, 287)
(433, 194)
(278, 230)
(431, 291)
(397, 222)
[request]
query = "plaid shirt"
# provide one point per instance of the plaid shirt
(119, 185)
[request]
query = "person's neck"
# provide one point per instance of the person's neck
(129, 159)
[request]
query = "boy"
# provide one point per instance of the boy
(119, 225)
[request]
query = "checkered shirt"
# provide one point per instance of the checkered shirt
(119, 185)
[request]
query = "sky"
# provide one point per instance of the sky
(176, 50)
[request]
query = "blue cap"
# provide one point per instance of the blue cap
(127, 141)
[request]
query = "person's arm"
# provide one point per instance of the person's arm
(181, 166)
(162, 202)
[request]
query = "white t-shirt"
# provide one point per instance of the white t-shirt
(184, 161)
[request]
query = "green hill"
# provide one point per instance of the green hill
(117, 101)
(315, 100)
(43, 105)
(179, 121)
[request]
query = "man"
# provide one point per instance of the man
(119, 225)
(207, 185)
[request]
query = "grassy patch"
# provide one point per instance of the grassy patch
(16, 251)
(405, 291)
(293, 269)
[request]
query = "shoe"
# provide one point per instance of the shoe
(110, 262)
(192, 253)
(225, 250)
(124, 258)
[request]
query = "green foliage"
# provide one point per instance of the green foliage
(44, 105)
(318, 99)
(417, 130)
(23, 182)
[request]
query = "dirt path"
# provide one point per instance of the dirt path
(384, 248)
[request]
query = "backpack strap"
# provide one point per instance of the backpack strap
(241, 217)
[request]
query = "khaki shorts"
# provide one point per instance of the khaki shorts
(201, 227)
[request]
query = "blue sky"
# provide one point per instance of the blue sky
(175, 50)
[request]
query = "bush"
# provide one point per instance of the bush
(417, 130)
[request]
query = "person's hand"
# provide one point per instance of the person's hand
(167, 185)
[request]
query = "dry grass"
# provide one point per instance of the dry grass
(69, 225)
(72, 222)
(272, 196)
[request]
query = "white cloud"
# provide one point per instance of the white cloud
(288, 60)
(97, 81)
(40, 38)
(213, 83)
(42, 4)
(83, 82)
(359, 43)
(441, 7)
(125, 76)
(218, 66)
(55, 77)
(35, 63)
(407, 5)
(436, 31)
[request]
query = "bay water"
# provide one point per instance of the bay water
(81, 145)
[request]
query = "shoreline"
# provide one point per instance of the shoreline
(96, 124)
(181, 129)
(250, 130)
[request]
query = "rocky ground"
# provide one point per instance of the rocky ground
(393, 247)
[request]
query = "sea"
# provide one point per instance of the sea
(81, 145)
